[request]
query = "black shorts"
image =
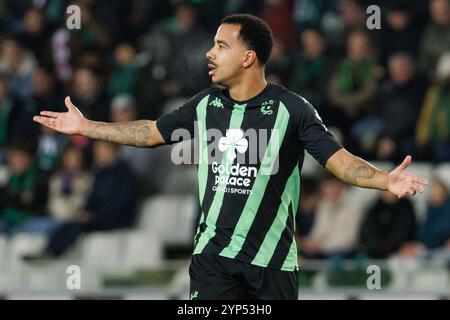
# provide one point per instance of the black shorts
(217, 278)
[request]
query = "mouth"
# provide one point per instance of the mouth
(212, 69)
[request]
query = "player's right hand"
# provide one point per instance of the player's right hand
(70, 122)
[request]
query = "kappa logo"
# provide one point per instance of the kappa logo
(216, 103)
(234, 140)
(266, 107)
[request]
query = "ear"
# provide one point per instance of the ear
(250, 58)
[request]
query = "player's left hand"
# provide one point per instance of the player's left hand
(402, 183)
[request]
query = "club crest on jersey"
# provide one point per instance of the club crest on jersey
(266, 107)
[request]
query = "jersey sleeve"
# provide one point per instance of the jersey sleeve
(313, 134)
(182, 118)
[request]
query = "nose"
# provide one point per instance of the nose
(209, 54)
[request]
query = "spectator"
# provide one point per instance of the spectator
(25, 194)
(336, 226)
(89, 94)
(309, 201)
(18, 66)
(110, 205)
(351, 16)
(67, 195)
(15, 116)
(278, 15)
(400, 98)
(46, 93)
(311, 69)
(433, 127)
(147, 164)
(7, 116)
(352, 90)
(150, 95)
(93, 58)
(61, 54)
(307, 13)
(178, 47)
(399, 34)
(35, 35)
(93, 32)
(434, 232)
(13, 13)
(388, 224)
(436, 37)
(69, 186)
(278, 68)
(123, 78)
(50, 144)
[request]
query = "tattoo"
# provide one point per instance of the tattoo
(134, 133)
(358, 170)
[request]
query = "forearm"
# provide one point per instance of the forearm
(134, 133)
(357, 171)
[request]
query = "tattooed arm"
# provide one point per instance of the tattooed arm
(140, 133)
(361, 173)
(356, 171)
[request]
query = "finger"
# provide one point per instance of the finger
(50, 114)
(69, 104)
(405, 162)
(420, 180)
(45, 121)
(417, 187)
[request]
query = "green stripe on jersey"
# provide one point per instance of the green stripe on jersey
(235, 123)
(273, 236)
(202, 172)
(259, 186)
(291, 262)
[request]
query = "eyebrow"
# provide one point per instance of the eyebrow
(222, 42)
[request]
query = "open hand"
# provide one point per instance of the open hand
(402, 183)
(70, 122)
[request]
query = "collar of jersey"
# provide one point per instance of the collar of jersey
(254, 102)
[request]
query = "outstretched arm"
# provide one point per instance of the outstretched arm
(140, 133)
(361, 173)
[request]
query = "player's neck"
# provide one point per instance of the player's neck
(247, 88)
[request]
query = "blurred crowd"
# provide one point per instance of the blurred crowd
(386, 90)
(332, 225)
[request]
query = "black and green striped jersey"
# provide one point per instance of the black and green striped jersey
(250, 154)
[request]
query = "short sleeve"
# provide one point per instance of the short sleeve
(182, 118)
(313, 133)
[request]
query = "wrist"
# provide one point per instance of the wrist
(84, 126)
(385, 181)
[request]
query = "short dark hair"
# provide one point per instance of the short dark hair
(255, 33)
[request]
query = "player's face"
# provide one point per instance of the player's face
(227, 56)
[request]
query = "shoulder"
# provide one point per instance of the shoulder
(294, 103)
(207, 92)
(212, 91)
